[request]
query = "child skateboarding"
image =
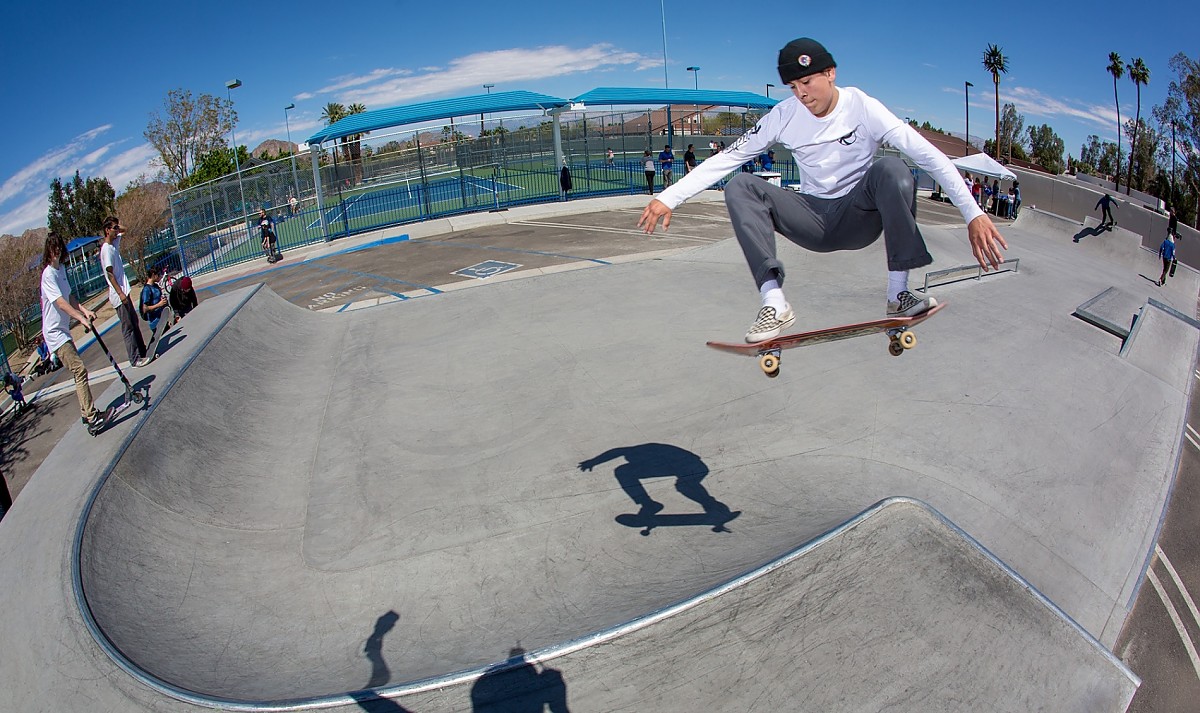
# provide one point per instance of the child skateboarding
(846, 198)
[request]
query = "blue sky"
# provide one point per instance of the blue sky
(80, 79)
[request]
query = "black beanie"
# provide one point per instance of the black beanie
(803, 57)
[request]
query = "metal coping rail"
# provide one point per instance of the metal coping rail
(966, 269)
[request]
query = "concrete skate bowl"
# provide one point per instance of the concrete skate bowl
(310, 480)
(321, 504)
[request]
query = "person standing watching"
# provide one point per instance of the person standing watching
(58, 307)
(118, 291)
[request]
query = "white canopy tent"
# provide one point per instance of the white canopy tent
(984, 165)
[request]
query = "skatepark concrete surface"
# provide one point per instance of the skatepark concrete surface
(414, 505)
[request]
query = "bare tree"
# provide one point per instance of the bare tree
(188, 129)
(20, 273)
(144, 211)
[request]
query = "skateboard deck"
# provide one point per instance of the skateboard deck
(716, 520)
(164, 325)
(899, 331)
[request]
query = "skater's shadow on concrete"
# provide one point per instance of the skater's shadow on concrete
(660, 460)
(1088, 233)
(380, 674)
(169, 340)
(1151, 279)
(518, 685)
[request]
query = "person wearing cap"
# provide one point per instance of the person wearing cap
(666, 159)
(118, 291)
(59, 305)
(182, 297)
(845, 197)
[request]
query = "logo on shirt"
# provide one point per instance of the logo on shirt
(804, 60)
(849, 138)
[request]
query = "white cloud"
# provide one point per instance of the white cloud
(29, 214)
(55, 162)
(32, 183)
(386, 87)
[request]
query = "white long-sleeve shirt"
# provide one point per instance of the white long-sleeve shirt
(832, 152)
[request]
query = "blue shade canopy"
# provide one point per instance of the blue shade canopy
(431, 111)
(80, 242)
(647, 95)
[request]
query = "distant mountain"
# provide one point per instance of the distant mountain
(38, 234)
(273, 147)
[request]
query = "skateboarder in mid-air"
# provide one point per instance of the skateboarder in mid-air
(1106, 217)
(846, 198)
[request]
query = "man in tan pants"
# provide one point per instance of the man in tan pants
(58, 307)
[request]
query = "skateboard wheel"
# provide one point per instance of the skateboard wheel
(895, 348)
(908, 339)
(769, 364)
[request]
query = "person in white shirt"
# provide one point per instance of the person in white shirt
(846, 198)
(58, 307)
(118, 291)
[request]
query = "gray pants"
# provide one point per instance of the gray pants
(131, 330)
(884, 200)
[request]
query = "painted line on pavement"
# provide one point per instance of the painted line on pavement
(1177, 620)
(1187, 597)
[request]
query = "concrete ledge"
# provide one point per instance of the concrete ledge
(1112, 310)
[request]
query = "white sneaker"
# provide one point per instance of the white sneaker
(768, 324)
(909, 305)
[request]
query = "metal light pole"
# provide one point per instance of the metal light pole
(696, 76)
(967, 137)
(662, 8)
(488, 87)
(229, 87)
(769, 85)
(291, 149)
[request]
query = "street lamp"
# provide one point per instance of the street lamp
(696, 76)
(769, 85)
(967, 138)
(291, 149)
(229, 87)
(488, 87)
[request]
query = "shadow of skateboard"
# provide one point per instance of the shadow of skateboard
(717, 521)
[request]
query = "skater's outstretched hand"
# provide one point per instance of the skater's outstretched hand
(655, 211)
(986, 243)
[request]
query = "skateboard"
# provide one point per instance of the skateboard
(717, 520)
(132, 395)
(898, 329)
(164, 325)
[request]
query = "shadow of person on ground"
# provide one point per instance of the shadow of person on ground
(1088, 233)
(519, 686)
(660, 460)
(380, 674)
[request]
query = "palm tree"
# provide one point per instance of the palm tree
(995, 62)
(356, 143)
(1117, 69)
(1140, 74)
(333, 113)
